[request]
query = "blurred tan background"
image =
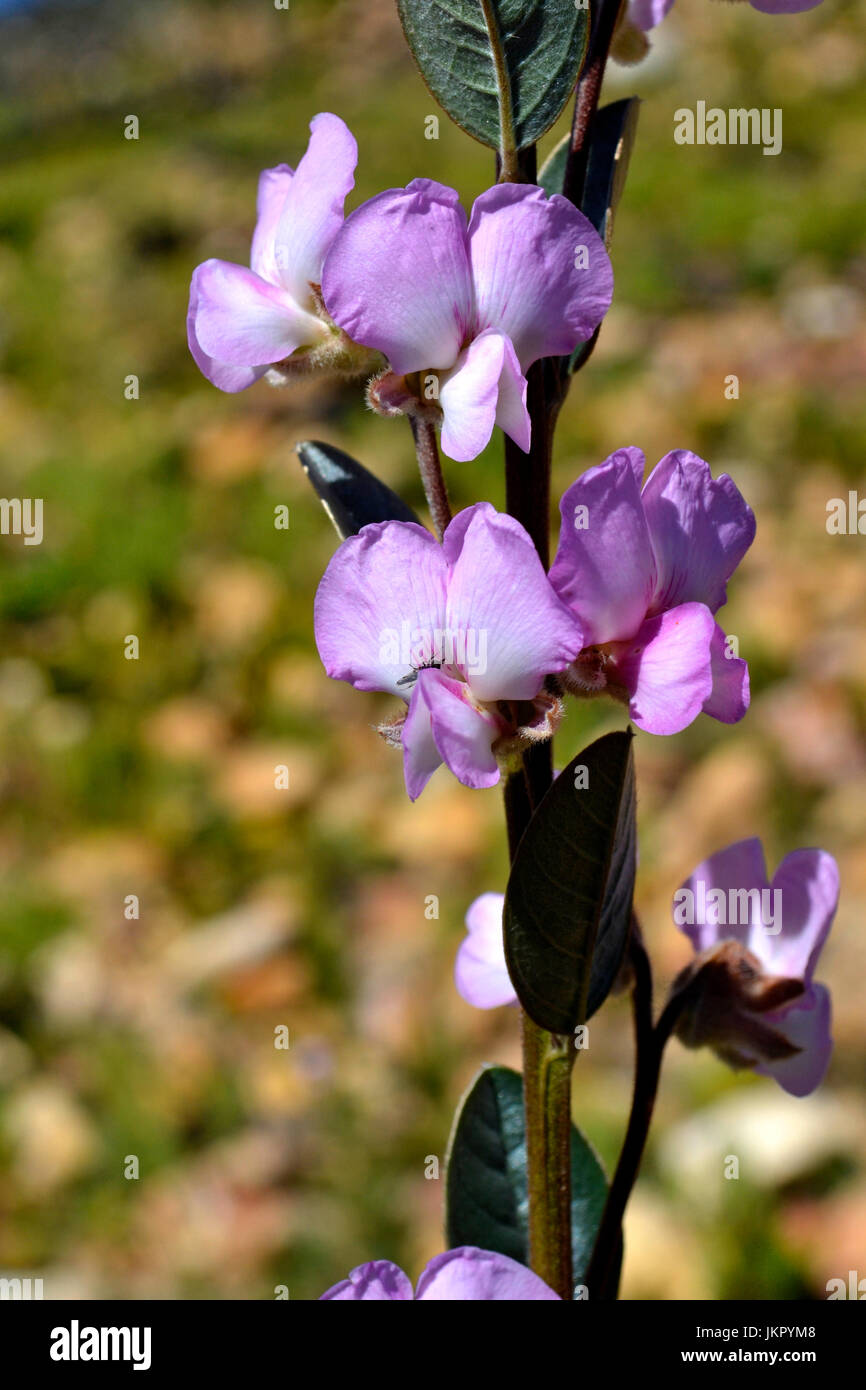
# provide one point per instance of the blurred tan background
(153, 1037)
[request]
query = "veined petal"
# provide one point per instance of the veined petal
(604, 567)
(667, 668)
(542, 275)
(242, 320)
(379, 605)
(397, 277)
(312, 212)
(502, 605)
(273, 187)
(463, 734)
(729, 698)
(808, 882)
(471, 1275)
(480, 972)
(738, 870)
(700, 526)
(806, 1024)
(379, 1281)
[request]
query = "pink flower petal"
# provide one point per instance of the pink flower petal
(379, 1281)
(421, 757)
(729, 698)
(468, 1274)
(469, 397)
(739, 867)
(808, 880)
(273, 188)
(667, 668)
(784, 6)
(242, 320)
(604, 567)
(646, 14)
(397, 277)
(223, 374)
(480, 972)
(700, 526)
(530, 283)
(379, 604)
(462, 733)
(312, 212)
(501, 599)
(806, 1024)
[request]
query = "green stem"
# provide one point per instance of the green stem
(547, 1064)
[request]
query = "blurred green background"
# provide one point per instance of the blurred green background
(154, 1037)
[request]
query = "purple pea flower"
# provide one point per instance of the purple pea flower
(243, 321)
(465, 632)
(644, 571)
(646, 14)
(751, 993)
(480, 971)
(466, 1274)
(461, 310)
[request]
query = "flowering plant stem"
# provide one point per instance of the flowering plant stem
(548, 1058)
(430, 468)
(650, 1042)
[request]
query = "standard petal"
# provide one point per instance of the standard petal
(469, 397)
(808, 883)
(806, 1024)
(729, 698)
(480, 972)
(379, 606)
(397, 277)
(700, 526)
(667, 669)
(312, 212)
(273, 187)
(471, 1275)
(542, 275)
(738, 869)
(604, 568)
(463, 734)
(502, 608)
(242, 320)
(379, 1281)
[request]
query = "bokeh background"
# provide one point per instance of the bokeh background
(305, 908)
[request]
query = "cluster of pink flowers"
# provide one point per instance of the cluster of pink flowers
(628, 609)
(479, 644)
(458, 309)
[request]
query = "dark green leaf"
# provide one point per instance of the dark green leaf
(613, 134)
(551, 175)
(486, 1193)
(350, 494)
(502, 69)
(569, 898)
